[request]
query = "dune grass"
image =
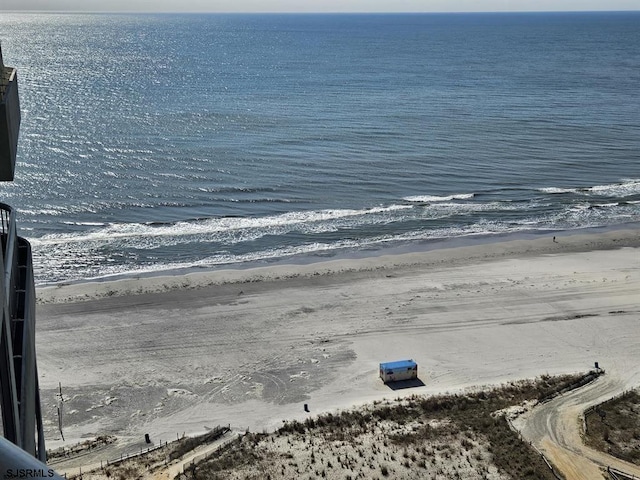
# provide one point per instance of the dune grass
(449, 436)
(614, 427)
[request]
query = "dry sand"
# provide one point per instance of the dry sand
(167, 355)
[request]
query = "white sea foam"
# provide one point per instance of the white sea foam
(107, 182)
(266, 225)
(558, 190)
(605, 205)
(233, 230)
(624, 189)
(435, 198)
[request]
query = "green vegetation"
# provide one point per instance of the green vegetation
(614, 427)
(451, 436)
(186, 444)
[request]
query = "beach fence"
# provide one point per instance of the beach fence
(210, 436)
(106, 463)
(142, 452)
(549, 465)
(187, 466)
(584, 380)
(547, 462)
(597, 409)
(615, 474)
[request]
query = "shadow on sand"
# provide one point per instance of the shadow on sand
(402, 384)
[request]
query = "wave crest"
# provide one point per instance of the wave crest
(436, 198)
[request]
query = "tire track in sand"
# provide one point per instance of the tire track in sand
(555, 428)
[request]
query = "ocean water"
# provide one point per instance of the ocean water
(156, 142)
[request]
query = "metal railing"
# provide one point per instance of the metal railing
(16, 463)
(23, 442)
(8, 393)
(19, 394)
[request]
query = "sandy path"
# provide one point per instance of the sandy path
(555, 428)
(249, 348)
(178, 466)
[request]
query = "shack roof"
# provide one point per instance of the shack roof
(399, 364)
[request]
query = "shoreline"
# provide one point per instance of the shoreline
(453, 251)
(167, 355)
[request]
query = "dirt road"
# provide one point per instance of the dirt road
(555, 429)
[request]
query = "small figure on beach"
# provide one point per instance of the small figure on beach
(554, 240)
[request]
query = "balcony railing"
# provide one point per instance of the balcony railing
(23, 442)
(19, 397)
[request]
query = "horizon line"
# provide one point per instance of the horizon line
(301, 12)
(296, 12)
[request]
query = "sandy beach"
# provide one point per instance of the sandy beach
(167, 355)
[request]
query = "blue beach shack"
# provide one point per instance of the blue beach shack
(399, 370)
